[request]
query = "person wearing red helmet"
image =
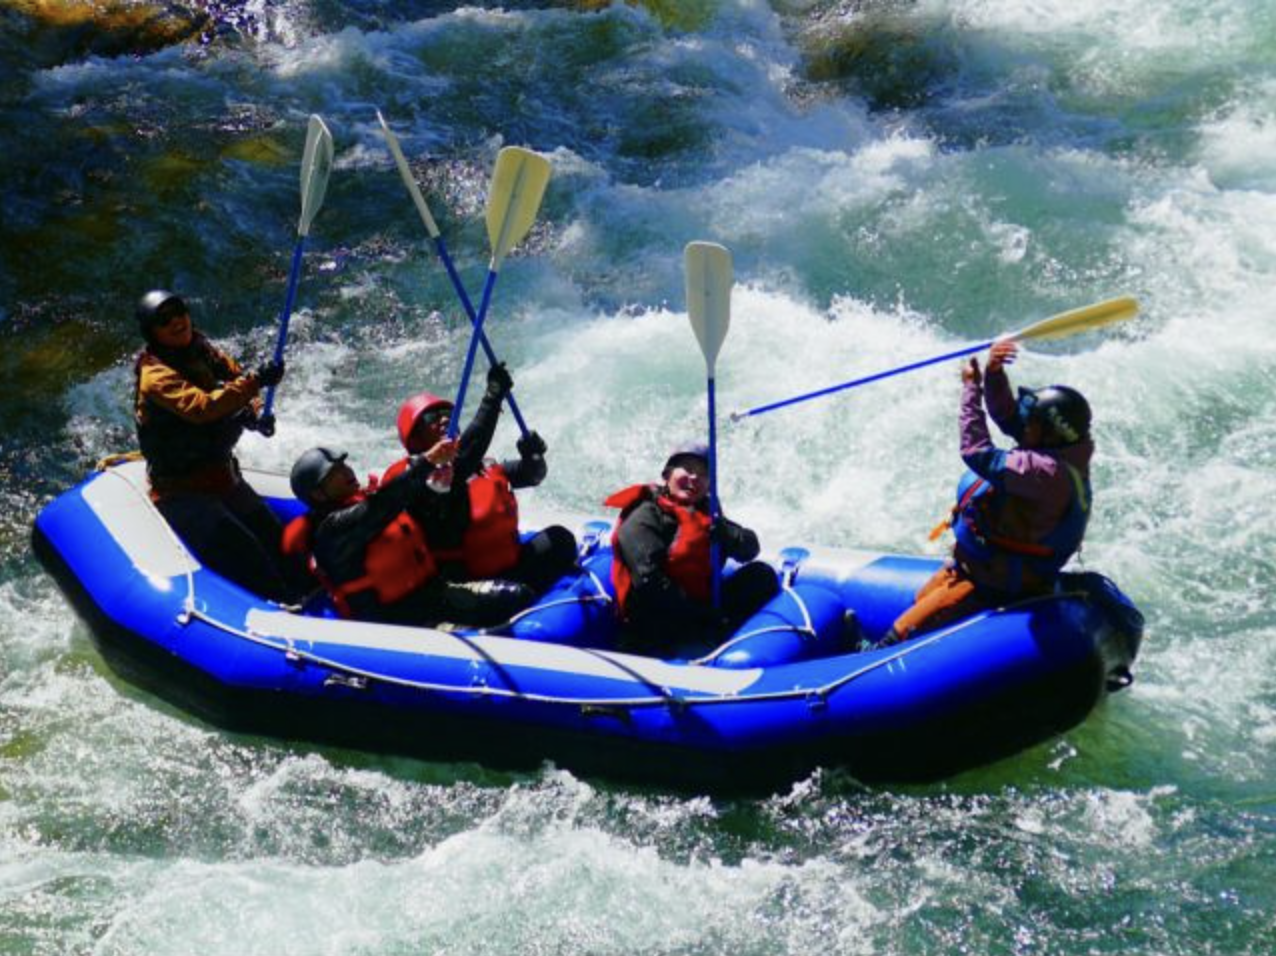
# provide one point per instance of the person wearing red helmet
(1020, 514)
(191, 404)
(474, 535)
(661, 558)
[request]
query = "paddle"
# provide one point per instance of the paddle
(432, 228)
(1056, 327)
(316, 164)
(709, 278)
(518, 184)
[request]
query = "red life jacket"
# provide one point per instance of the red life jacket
(396, 563)
(688, 563)
(490, 544)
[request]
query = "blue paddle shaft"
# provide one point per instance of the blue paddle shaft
(454, 422)
(469, 311)
(714, 509)
(285, 316)
(762, 409)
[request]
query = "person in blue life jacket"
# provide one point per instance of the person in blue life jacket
(370, 550)
(661, 559)
(475, 532)
(191, 404)
(1020, 514)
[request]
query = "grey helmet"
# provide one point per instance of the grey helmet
(156, 308)
(687, 449)
(309, 471)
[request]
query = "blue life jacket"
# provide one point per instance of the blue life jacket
(984, 522)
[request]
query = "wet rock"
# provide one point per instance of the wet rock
(889, 53)
(679, 14)
(62, 31)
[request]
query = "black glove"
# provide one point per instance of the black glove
(722, 532)
(249, 420)
(499, 381)
(531, 445)
(270, 373)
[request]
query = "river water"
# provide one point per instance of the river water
(894, 180)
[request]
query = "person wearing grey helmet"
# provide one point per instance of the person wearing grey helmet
(191, 404)
(1020, 514)
(661, 559)
(370, 549)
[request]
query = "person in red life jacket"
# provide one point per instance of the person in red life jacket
(372, 554)
(475, 534)
(192, 402)
(1020, 514)
(661, 561)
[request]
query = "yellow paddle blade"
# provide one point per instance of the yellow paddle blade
(518, 185)
(709, 279)
(1078, 320)
(316, 165)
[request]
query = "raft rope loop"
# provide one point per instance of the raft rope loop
(791, 562)
(347, 675)
(668, 698)
(806, 629)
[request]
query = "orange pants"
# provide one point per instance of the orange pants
(948, 595)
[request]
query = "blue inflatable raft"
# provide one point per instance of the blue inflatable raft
(787, 693)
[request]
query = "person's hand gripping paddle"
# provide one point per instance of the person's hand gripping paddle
(1056, 327)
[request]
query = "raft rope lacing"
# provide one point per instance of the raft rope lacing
(806, 629)
(358, 677)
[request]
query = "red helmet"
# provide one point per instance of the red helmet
(412, 410)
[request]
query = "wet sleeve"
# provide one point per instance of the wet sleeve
(526, 472)
(644, 543)
(169, 390)
(1001, 404)
(977, 450)
(476, 439)
(225, 366)
(738, 542)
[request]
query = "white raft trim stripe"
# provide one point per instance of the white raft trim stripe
(307, 632)
(125, 510)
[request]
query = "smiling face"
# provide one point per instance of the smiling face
(688, 480)
(175, 330)
(429, 429)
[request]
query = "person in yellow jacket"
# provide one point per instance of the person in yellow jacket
(192, 402)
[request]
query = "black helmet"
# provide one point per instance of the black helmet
(688, 449)
(1062, 410)
(310, 470)
(156, 308)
